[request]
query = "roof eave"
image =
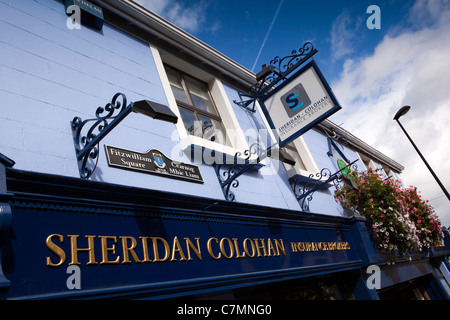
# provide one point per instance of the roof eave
(360, 145)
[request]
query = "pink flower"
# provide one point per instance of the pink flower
(374, 226)
(362, 181)
(371, 199)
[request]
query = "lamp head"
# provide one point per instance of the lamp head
(403, 110)
(154, 110)
(266, 70)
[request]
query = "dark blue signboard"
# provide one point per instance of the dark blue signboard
(74, 247)
(121, 252)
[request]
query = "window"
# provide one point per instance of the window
(389, 173)
(197, 109)
(368, 163)
(304, 162)
(208, 129)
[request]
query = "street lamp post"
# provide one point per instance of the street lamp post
(400, 113)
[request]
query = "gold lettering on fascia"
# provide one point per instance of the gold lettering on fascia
(319, 246)
(94, 250)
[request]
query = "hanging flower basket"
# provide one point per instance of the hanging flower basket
(402, 222)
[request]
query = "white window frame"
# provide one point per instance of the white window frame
(307, 158)
(229, 120)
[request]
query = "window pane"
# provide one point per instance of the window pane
(200, 95)
(177, 85)
(213, 130)
(191, 123)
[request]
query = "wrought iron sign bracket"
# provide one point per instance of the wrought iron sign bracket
(277, 71)
(305, 188)
(107, 118)
(228, 177)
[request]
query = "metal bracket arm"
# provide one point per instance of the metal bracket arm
(236, 170)
(86, 145)
(278, 70)
(334, 176)
(106, 119)
(306, 194)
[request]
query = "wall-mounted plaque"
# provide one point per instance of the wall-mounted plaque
(152, 161)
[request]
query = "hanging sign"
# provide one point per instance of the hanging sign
(152, 161)
(299, 104)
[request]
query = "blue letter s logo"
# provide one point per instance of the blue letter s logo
(293, 102)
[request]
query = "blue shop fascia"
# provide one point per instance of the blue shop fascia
(184, 205)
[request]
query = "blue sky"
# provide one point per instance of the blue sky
(239, 28)
(372, 72)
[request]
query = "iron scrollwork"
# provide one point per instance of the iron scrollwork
(279, 68)
(86, 140)
(304, 188)
(228, 176)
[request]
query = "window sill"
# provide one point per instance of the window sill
(201, 151)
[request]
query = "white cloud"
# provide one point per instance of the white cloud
(408, 68)
(342, 34)
(191, 19)
(429, 11)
